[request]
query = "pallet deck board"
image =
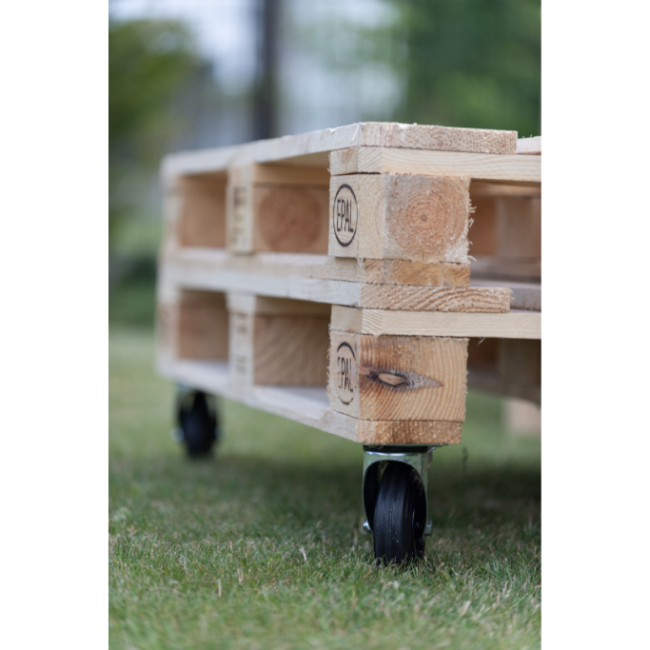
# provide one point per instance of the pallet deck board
(307, 277)
(515, 324)
(477, 166)
(312, 149)
(307, 405)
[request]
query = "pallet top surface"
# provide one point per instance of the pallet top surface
(312, 149)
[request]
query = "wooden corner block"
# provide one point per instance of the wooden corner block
(278, 342)
(403, 432)
(195, 211)
(400, 217)
(277, 208)
(193, 325)
(398, 377)
(401, 272)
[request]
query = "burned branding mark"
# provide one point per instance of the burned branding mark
(345, 215)
(346, 364)
(398, 380)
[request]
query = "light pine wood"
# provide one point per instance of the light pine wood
(388, 216)
(515, 324)
(308, 405)
(530, 146)
(193, 325)
(276, 174)
(262, 305)
(323, 267)
(482, 230)
(397, 377)
(401, 272)
(482, 167)
(524, 295)
(201, 206)
(277, 208)
(311, 149)
(298, 278)
(443, 299)
(281, 344)
(405, 432)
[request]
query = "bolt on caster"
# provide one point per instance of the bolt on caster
(197, 422)
(395, 501)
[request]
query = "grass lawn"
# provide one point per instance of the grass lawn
(261, 547)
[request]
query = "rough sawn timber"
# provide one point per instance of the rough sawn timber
(389, 216)
(398, 377)
(307, 405)
(481, 167)
(312, 148)
(514, 324)
(322, 279)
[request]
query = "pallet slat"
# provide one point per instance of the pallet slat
(311, 149)
(515, 324)
(300, 279)
(308, 406)
(480, 167)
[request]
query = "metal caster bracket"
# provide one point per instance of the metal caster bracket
(375, 460)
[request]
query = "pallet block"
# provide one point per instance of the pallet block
(193, 325)
(277, 208)
(388, 216)
(196, 211)
(278, 342)
(398, 377)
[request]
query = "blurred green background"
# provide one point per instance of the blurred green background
(200, 73)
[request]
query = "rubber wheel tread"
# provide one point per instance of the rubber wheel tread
(400, 496)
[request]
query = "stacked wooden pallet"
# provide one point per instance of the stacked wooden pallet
(349, 278)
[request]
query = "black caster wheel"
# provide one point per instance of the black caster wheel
(198, 423)
(400, 516)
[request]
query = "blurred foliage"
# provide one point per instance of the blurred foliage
(471, 63)
(149, 64)
(466, 63)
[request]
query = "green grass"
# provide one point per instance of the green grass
(261, 546)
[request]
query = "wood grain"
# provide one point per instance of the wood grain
(515, 324)
(307, 405)
(397, 377)
(193, 325)
(388, 216)
(201, 205)
(311, 149)
(279, 350)
(278, 342)
(482, 167)
(277, 208)
(307, 278)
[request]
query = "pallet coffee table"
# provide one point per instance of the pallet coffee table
(356, 280)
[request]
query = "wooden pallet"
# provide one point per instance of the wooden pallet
(350, 278)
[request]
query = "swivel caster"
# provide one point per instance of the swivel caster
(197, 422)
(395, 500)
